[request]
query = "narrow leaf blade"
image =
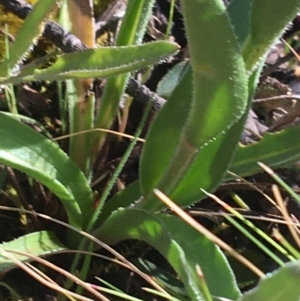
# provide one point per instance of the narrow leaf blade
(100, 62)
(239, 12)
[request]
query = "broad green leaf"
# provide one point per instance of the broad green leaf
(219, 77)
(37, 244)
(26, 150)
(33, 26)
(282, 285)
(210, 163)
(100, 62)
(207, 170)
(182, 246)
(268, 20)
(189, 134)
(200, 250)
(274, 149)
(209, 167)
(164, 135)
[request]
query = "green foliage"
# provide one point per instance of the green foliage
(278, 286)
(102, 62)
(204, 123)
(29, 151)
(169, 82)
(275, 149)
(239, 12)
(182, 246)
(131, 32)
(35, 244)
(23, 148)
(263, 30)
(190, 145)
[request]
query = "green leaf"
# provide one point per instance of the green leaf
(212, 160)
(219, 77)
(209, 167)
(169, 82)
(165, 279)
(274, 149)
(134, 23)
(182, 246)
(26, 150)
(282, 285)
(100, 62)
(37, 244)
(205, 172)
(81, 110)
(239, 12)
(188, 139)
(268, 20)
(32, 27)
(164, 135)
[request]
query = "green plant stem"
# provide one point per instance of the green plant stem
(14, 294)
(119, 169)
(281, 183)
(81, 119)
(254, 240)
(170, 20)
(104, 197)
(204, 288)
(286, 245)
(257, 230)
(9, 94)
